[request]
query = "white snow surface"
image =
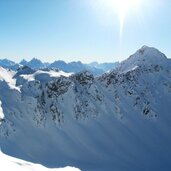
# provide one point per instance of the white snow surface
(9, 163)
(40, 74)
(1, 111)
(7, 76)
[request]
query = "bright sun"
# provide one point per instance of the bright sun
(121, 8)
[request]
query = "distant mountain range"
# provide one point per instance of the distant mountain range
(74, 67)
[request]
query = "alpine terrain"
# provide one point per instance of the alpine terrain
(119, 121)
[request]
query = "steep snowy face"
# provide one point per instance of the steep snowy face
(118, 121)
(144, 57)
(6, 76)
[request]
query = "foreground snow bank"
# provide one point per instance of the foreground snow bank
(1, 112)
(10, 163)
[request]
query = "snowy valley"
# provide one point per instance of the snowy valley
(120, 120)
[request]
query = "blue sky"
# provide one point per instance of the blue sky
(74, 30)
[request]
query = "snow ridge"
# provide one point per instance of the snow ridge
(144, 57)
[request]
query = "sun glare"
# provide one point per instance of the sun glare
(121, 8)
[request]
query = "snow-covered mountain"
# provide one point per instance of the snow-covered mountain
(34, 63)
(9, 64)
(5, 62)
(117, 121)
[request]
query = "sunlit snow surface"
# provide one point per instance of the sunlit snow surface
(45, 74)
(7, 76)
(1, 111)
(14, 164)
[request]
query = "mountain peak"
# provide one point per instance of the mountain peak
(6, 62)
(35, 63)
(144, 57)
(23, 62)
(146, 50)
(35, 60)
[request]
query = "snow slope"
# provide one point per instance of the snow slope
(10, 163)
(7, 76)
(118, 121)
